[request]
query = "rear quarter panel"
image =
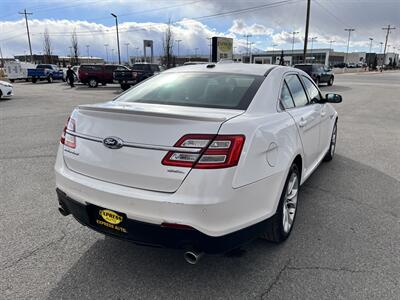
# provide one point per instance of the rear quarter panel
(272, 143)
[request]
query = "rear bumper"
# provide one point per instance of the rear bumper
(158, 236)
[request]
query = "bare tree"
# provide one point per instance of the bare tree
(168, 44)
(75, 47)
(47, 51)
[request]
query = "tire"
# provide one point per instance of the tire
(12, 80)
(281, 224)
(50, 79)
(332, 147)
(125, 86)
(1, 94)
(330, 82)
(34, 80)
(93, 83)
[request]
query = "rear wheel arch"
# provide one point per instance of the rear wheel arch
(299, 162)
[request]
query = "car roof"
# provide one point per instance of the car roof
(234, 68)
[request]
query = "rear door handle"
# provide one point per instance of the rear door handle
(302, 123)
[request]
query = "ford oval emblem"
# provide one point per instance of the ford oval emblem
(113, 142)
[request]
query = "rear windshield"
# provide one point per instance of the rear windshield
(214, 90)
(304, 68)
(44, 67)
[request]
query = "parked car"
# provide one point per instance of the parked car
(6, 89)
(45, 72)
(318, 72)
(93, 74)
(17, 70)
(351, 65)
(203, 158)
(340, 65)
(139, 72)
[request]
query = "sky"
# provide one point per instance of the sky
(269, 22)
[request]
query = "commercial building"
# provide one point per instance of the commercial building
(327, 56)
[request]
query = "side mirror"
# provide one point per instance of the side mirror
(333, 98)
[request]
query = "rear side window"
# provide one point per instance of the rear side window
(214, 90)
(312, 91)
(285, 98)
(305, 68)
(91, 68)
(296, 90)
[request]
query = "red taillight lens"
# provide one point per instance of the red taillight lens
(68, 139)
(216, 151)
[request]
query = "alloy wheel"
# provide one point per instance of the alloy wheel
(290, 202)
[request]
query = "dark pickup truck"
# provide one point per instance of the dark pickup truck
(138, 73)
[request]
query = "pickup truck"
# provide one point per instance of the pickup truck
(138, 73)
(45, 72)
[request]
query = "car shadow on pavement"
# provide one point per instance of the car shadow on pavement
(334, 88)
(347, 212)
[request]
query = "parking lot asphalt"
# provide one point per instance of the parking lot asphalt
(345, 244)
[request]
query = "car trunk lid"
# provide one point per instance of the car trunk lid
(147, 131)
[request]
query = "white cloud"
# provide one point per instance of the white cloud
(240, 27)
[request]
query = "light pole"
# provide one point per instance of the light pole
(178, 41)
(106, 46)
(273, 52)
(27, 30)
(252, 43)
(137, 53)
(116, 25)
(127, 52)
(87, 51)
(370, 48)
(312, 45)
(330, 44)
(381, 46)
(209, 44)
(348, 42)
(293, 34)
(247, 43)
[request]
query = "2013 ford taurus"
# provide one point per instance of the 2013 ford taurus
(204, 158)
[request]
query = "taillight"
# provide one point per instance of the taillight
(215, 151)
(68, 139)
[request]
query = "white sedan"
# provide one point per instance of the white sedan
(203, 157)
(6, 89)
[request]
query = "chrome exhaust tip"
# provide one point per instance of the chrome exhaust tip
(192, 257)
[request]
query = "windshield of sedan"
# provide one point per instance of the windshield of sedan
(214, 90)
